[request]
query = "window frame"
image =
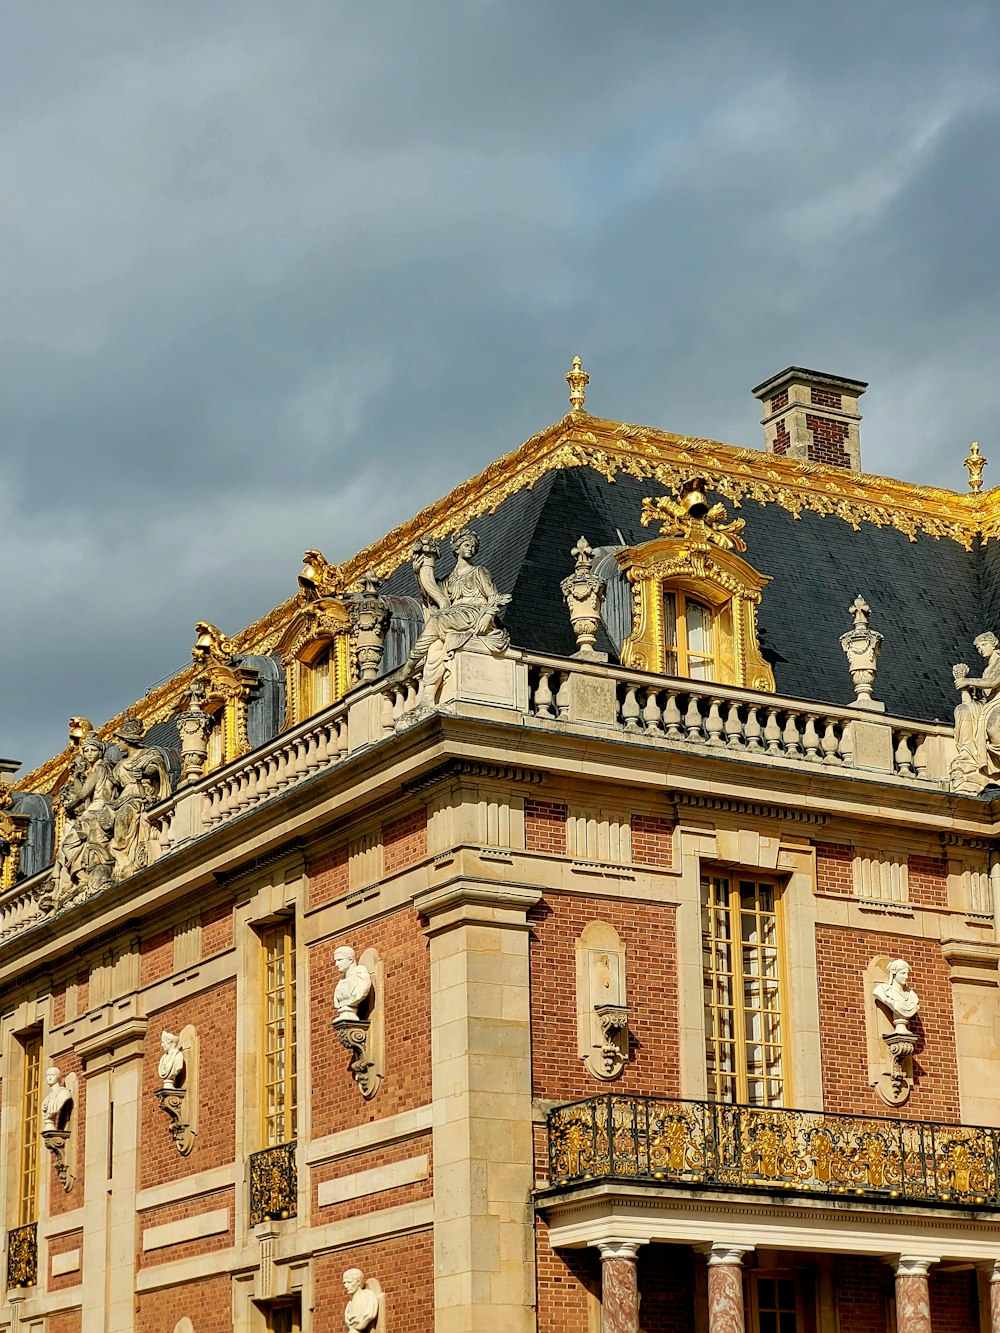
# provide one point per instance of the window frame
(680, 648)
(30, 1145)
(278, 967)
(740, 1076)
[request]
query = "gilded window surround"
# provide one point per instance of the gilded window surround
(611, 448)
(721, 579)
(13, 832)
(315, 626)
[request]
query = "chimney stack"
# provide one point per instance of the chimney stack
(812, 416)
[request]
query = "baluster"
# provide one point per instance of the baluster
(772, 732)
(630, 708)
(790, 736)
(322, 748)
(692, 719)
(810, 737)
(920, 758)
(752, 730)
(388, 721)
(398, 705)
(734, 727)
(562, 697)
(830, 742)
(343, 738)
(651, 714)
(713, 724)
(904, 756)
(847, 743)
(410, 695)
(672, 717)
(543, 695)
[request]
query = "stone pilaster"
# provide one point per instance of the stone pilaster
(619, 1286)
(725, 1289)
(481, 1086)
(913, 1302)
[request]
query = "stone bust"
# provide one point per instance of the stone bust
(897, 995)
(57, 1101)
(171, 1066)
(354, 986)
(361, 1310)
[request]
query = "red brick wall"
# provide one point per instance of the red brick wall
(72, 1240)
(328, 877)
(188, 1249)
(652, 840)
(367, 1161)
(58, 1006)
(864, 1289)
(928, 881)
(156, 958)
(213, 1014)
(782, 439)
(403, 1265)
(779, 401)
(825, 398)
(563, 1279)
(216, 930)
(828, 439)
(833, 868)
(667, 1287)
(67, 1322)
(59, 1200)
(841, 958)
(208, 1304)
(647, 931)
(954, 1302)
(336, 1101)
(545, 826)
(404, 841)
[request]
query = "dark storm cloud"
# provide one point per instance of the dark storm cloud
(276, 276)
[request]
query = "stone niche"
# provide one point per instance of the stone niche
(601, 1001)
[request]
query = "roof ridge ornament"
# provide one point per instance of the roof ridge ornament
(975, 463)
(692, 517)
(577, 379)
(319, 578)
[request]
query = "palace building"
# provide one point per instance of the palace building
(575, 912)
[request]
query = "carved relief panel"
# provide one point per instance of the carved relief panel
(601, 1001)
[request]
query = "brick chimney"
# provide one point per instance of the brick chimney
(812, 416)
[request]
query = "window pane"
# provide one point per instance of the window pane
(670, 622)
(698, 622)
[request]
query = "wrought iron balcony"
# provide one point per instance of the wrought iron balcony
(22, 1256)
(274, 1183)
(713, 1145)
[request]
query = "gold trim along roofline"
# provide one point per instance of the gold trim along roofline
(614, 448)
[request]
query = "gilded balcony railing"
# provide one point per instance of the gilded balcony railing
(22, 1256)
(274, 1183)
(713, 1145)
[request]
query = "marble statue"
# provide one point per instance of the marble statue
(362, 1309)
(57, 1101)
(83, 858)
(463, 612)
(355, 983)
(141, 779)
(977, 721)
(897, 995)
(171, 1066)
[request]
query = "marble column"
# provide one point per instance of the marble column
(913, 1301)
(725, 1289)
(619, 1286)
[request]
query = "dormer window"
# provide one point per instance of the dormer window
(317, 679)
(689, 637)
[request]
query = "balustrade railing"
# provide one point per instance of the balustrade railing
(274, 1183)
(714, 1145)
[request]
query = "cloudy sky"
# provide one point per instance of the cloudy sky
(275, 275)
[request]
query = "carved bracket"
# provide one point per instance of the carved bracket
(896, 1082)
(353, 1034)
(173, 1103)
(57, 1142)
(610, 1061)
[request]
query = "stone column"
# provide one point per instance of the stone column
(725, 1288)
(619, 1286)
(913, 1302)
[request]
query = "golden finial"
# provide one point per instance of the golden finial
(577, 379)
(975, 463)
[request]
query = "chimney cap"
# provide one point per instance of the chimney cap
(792, 374)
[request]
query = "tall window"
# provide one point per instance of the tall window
(742, 991)
(279, 1063)
(285, 1318)
(317, 681)
(774, 1304)
(30, 1126)
(689, 637)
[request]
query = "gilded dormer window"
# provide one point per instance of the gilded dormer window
(315, 647)
(694, 597)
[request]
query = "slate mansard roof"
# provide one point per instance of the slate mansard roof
(926, 560)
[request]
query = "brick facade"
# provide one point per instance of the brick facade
(928, 881)
(647, 931)
(176, 1212)
(828, 440)
(386, 1155)
(404, 841)
(404, 1266)
(545, 826)
(208, 1304)
(841, 958)
(328, 877)
(834, 873)
(652, 841)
